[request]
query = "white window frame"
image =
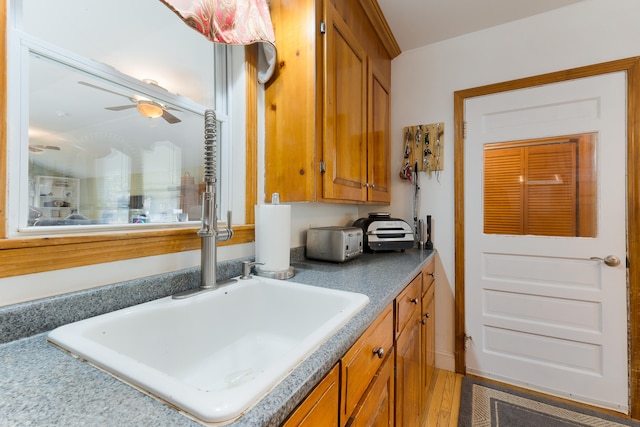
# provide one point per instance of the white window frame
(20, 46)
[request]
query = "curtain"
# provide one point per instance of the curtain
(238, 22)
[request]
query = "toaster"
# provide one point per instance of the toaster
(383, 233)
(336, 244)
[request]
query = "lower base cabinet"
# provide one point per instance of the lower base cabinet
(376, 409)
(363, 361)
(320, 408)
(383, 380)
(408, 355)
(428, 329)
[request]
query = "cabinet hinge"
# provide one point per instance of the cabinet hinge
(464, 130)
(323, 167)
(323, 27)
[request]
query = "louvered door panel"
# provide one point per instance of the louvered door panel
(531, 188)
(550, 196)
(503, 191)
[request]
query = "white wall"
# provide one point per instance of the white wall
(423, 82)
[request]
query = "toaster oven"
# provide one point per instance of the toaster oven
(383, 233)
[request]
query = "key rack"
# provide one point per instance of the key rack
(424, 148)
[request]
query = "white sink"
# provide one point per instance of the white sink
(215, 354)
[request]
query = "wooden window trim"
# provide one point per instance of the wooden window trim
(20, 256)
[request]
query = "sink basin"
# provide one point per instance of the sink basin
(215, 354)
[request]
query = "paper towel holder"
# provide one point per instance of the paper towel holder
(273, 274)
(280, 275)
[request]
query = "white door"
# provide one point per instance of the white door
(540, 312)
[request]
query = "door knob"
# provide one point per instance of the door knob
(610, 260)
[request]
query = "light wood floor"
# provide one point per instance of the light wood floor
(444, 403)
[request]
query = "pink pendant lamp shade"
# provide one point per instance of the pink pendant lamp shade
(238, 22)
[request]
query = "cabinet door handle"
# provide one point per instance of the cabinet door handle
(432, 275)
(424, 322)
(427, 315)
(414, 300)
(379, 351)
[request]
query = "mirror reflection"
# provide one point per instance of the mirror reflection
(96, 157)
(111, 127)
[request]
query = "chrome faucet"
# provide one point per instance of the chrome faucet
(209, 232)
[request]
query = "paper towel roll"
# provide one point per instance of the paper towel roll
(273, 236)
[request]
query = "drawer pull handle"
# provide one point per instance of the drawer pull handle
(379, 351)
(414, 300)
(432, 275)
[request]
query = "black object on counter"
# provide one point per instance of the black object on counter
(383, 233)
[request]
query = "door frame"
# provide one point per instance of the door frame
(632, 68)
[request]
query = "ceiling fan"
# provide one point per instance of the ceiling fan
(40, 148)
(146, 107)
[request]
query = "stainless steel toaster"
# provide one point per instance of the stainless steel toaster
(336, 244)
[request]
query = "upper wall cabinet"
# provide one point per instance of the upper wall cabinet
(328, 104)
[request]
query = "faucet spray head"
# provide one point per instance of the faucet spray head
(210, 146)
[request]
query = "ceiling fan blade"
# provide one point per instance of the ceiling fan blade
(120, 107)
(170, 118)
(45, 147)
(103, 89)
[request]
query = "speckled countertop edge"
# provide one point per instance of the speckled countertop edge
(41, 385)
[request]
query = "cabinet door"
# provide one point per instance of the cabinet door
(345, 110)
(408, 375)
(320, 408)
(290, 105)
(376, 407)
(362, 361)
(428, 338)
(378, 155)
(407, 304)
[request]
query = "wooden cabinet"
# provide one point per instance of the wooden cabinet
(320, 408)
(377, 406)
(428, 327)
(345, 111)
(361, 362)
(408, 355)
(385, 377)
(379, 105)
(327, 105)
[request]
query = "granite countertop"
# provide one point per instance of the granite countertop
(41, 385)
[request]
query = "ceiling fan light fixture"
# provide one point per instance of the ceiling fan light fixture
(149, 109)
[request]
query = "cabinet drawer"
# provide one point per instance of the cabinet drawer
(407, 303)
(362, 361)
(428, 276)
